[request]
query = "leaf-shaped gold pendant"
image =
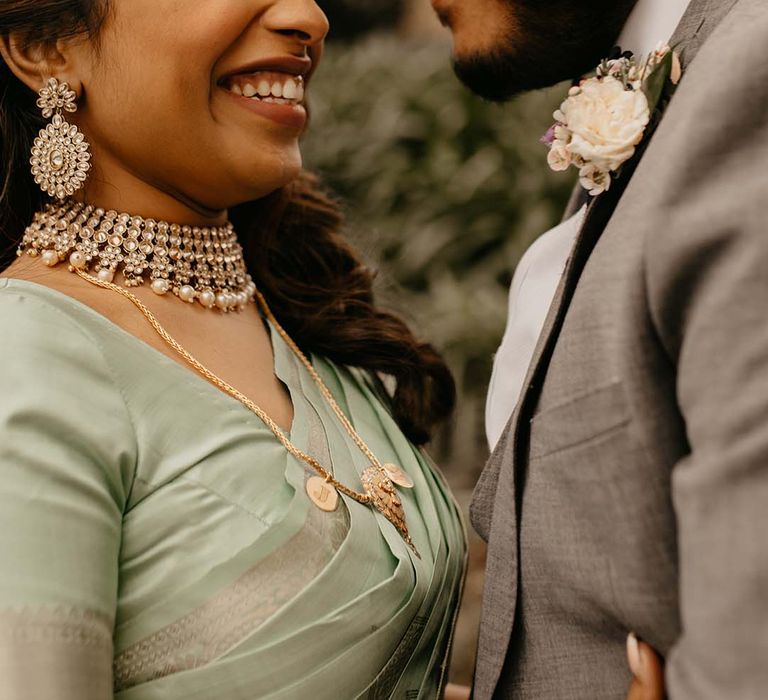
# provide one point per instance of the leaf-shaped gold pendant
(385, 499)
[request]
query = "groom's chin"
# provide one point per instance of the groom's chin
(499, 77)
(502, 75)
(484, 78)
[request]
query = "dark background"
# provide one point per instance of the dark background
(353, 18)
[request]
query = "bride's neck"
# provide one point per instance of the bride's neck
(120, 190)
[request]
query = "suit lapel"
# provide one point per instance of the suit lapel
(699, 21)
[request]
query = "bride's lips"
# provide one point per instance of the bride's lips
(291, 115)
(272, 88)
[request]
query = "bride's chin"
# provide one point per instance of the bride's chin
(249, 177)
(283, 175)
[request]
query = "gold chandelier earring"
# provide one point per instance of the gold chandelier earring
(60, 155)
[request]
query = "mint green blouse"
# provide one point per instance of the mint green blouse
(157, 542)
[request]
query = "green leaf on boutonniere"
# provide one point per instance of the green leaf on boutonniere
(654, 84)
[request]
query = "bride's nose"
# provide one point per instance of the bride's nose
(300, 19)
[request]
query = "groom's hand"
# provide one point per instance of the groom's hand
(456, 692)
(648, 670)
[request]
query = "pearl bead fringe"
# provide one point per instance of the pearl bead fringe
(194, 263)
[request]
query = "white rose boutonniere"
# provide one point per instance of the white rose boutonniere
(599, 126)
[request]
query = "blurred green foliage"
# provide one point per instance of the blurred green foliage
(444, 191)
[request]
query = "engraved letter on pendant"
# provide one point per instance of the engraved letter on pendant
(322, 494)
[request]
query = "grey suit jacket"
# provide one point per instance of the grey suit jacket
(630, 490)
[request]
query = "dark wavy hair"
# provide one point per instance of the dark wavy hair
(316, 283)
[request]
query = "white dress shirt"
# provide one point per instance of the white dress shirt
(538, 274)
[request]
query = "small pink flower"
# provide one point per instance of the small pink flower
(559, 157)
(549, 138)
(594, 180)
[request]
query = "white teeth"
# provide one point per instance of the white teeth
(290, 90)
(277, 101)
(287, 92)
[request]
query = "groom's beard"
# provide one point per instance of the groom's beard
(547, 41)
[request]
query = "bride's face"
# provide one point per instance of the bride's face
(164, 96)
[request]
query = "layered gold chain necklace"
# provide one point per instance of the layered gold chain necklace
(56, 236)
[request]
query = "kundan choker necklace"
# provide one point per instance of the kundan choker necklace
(203, 264)
(200, 264)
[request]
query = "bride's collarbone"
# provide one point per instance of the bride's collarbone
(235, 347)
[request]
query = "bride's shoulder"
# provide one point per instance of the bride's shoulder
(53, 360)
(27, 304)
(42, 327)
(31, 293)
(59, 393)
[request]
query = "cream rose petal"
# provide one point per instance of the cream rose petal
(607, 122)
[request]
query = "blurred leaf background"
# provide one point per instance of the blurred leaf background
(444, 193)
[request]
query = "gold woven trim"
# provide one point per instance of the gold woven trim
(64, 625)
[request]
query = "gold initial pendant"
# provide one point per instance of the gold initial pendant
(322, 494)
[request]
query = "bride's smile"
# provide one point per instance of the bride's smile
(273, 88)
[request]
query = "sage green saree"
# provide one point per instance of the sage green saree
(157, 542)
